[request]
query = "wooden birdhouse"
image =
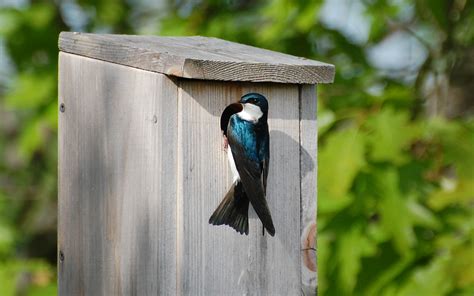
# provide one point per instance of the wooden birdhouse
(142, 167)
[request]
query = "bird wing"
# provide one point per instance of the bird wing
(265, 175)
(266, 161)
(251, 177)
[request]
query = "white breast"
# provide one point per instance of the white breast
(233, 168)
(250, 112)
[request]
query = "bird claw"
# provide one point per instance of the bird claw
(226, 143)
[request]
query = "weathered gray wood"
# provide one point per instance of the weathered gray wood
(217, 260)
(117, 184)
(142, 168)
(308, 160)
(198, 57)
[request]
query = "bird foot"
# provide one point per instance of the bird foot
(226, 143)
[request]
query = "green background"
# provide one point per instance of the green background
(396, 161)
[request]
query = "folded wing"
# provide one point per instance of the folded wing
(253, 180)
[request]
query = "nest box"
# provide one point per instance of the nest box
(141, 167)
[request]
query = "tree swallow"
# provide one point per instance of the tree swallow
(247, 142)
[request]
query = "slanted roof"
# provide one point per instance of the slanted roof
(197, 57)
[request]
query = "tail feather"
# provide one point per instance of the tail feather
(233, 210)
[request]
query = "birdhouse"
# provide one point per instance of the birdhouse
(142, 167)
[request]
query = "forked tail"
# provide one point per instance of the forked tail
(233, 210)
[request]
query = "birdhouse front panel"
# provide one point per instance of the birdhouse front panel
(219, 258)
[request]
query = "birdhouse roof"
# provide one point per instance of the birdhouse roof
(197, 57)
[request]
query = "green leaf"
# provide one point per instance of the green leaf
(351, 247)
(340, 159)
(41, 274)
(389, 135)
(457, 140)
(10, 19)
(326, 204)
(307, 16)
(50, 116)
(421, 215)
(30, 140)
(31, 91)
(173, 27)
(432, 279)
(378, 29)
(325, 119)
(439, 10)
(324, 253)
(7, 278)
(46, 290)
(396, 218)
(461, 266)
(387, 275)
(39, 15)
(110, 11)
(460, 192)
(7, 237)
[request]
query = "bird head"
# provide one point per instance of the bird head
(257, 100)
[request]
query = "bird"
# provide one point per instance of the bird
(247, 143)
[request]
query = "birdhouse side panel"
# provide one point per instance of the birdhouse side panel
(216, 260)
(117, 179)
(308, 159)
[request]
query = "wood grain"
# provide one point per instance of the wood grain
(117, 180)
(141, 169)
(308, 160)
(215, 260)
(198, 58)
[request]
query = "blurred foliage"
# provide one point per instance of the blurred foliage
(396, 177)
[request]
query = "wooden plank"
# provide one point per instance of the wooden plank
(117, 184)
(198, 57)
(308, 159)
(217, 260)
